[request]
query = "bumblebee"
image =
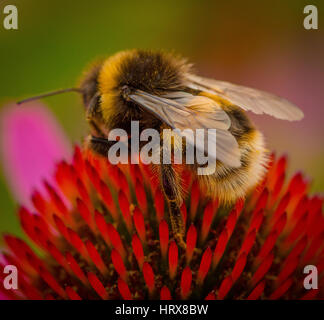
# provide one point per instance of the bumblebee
(161, 91)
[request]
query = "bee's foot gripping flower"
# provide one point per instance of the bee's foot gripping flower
(107, 237)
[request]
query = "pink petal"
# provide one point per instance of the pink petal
(31, 143)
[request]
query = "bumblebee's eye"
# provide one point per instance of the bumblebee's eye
(126, 91)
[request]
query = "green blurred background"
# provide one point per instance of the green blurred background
(255, 43)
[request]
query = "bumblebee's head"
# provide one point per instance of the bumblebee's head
(109, 83)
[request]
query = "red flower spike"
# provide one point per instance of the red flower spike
(248, 242)
(210, 296)
(164, 237)
(231, 221)
(50, 280)
(204, 266)
(75, 268)
(263, 269)
(125, 209)
(31, 292)
(42, 239)
(86, 215)
(112, 172)
(135, 173)
(83, 192)
(141, 196)
(239, 266)
(262, 201)
(138, 250)
(296, 185)
(20, 248)
(313, 222)
(103, 228)
(257, 291)
(57, 255)
(310, 295)
(147, 172)
(61, 227)
(208, 217)
(185, 284)
(139, 224)
(297, 231)
(191, 242)
(159, 204)
(315, 204)
(194, 199)
(225, 287)
(173, 259)
(124, 184)
(118, 264)
(239, 205)
(39, 203)
(40, 223)
(256, 221)
(124, 289)
(72, 294)
(95, 257)
(276, 191)
(108, 200)
(281, 165)
(300, 209)
(149, 277)
(78, 244)
(93, 175)
(165, 293)
(65, 179)
(288, 268)
(98, 286)
(281, 208)
(281, 290)
(183, 211)
(280, 224)
(116, 240)
(299, 248)
(57, 201)
(27, 261)
(220, 247)
(267, 246)
(78, 161)
(314, 247)
(27, 223)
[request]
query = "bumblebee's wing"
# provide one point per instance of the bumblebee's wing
(181, 110)
(247, 98)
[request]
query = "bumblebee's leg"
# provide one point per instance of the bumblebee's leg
(172, 191)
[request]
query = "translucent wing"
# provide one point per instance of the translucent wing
(247, 98)
(181, 110)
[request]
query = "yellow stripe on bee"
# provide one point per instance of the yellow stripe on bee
(216, 98)
(108, 82)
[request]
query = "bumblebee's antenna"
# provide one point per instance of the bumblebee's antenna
(48, 94)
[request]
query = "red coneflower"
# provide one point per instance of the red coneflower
(106, 235)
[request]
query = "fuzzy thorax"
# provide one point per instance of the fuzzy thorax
(153, 72)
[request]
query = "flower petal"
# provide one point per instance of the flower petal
(31, 143)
